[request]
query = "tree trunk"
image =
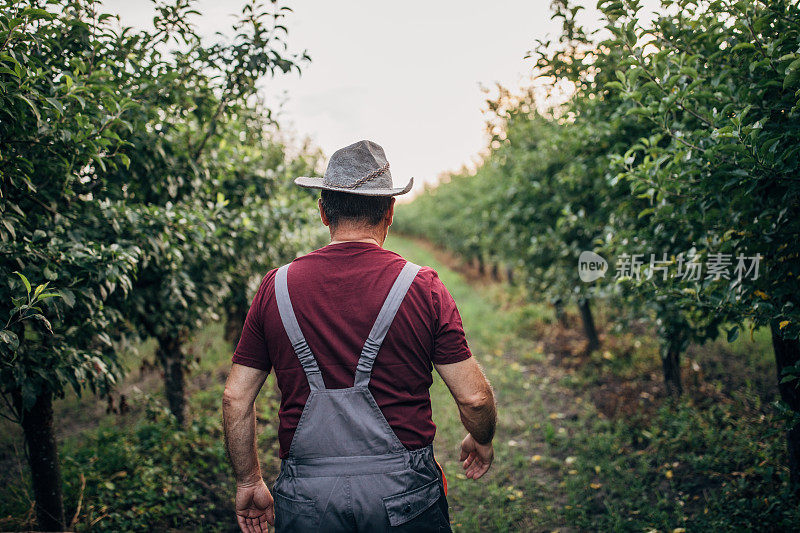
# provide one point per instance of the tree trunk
(671, 363)
(787, 354)
(588, 325)
(495, 272)
(561, 315)
(37, 424)
(481, 267)
(170, 352)
(510, 275)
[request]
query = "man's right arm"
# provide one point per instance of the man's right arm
(475, 399)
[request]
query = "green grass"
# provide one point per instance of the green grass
(521, 491)
(582, 443)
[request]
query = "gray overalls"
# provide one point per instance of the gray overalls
(346, 469)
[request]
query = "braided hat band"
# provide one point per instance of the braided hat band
(368, 177)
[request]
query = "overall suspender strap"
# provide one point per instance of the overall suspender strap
(293, 331)
(382, 323)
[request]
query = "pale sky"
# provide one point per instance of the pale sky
(406, 75)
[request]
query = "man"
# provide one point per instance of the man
(352, 331)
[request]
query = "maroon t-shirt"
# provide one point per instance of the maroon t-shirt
(336, 292)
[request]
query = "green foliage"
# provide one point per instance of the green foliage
(151, 474)
(203, 169)
(680, 136)
(679, 139)
(141, 174)
(154, 475)
(713, 467)
(28, 317)
(59, 113)
(720, 162)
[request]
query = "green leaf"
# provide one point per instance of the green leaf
(733, 333)
(39, 289)
(68, 296)
(743, 46)
(10, 338)
(56, 104)
(792, 74)
(44, 321)
(10, 228)
(32, 106)
(643, 111)
(791, 79)
(35, 13)
(46, 295)
(25, 281)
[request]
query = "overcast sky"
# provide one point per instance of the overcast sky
(406, 75)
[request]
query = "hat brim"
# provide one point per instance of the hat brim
(316, 183)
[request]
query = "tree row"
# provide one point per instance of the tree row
(652, 167)
(143, 193)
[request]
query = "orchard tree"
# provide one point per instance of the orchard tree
(719, 86)
(114, 155)
(200, 174)
(554, 160)
(276, 220)
(59, 110)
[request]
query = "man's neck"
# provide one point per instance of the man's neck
(375, 237)
(338, 240)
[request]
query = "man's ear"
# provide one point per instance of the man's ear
(322, 213)
(390, 212)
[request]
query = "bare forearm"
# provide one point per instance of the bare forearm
(240, 441)
(473, 395)
(480, 417)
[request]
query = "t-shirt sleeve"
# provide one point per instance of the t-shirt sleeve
(252, 348)
(450, 343)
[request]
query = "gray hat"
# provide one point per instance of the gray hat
(360, 168)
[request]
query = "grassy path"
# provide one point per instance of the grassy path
(523, 491)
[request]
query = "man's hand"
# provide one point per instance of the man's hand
(254, 507)
(477, 457)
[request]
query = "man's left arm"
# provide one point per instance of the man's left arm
(254, 504)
